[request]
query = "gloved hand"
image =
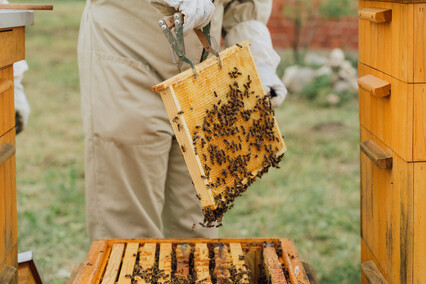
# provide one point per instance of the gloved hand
(273, 86)
(197, 13)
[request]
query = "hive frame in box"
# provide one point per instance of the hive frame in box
(93, 270)
(187, 99)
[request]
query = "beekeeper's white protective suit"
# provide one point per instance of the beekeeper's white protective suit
(137, 183)
(22, 108)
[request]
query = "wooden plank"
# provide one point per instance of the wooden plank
(419, 42)
(237, 255)
(387, 214)
(6, 152)
(92, 266)
(114, 263)
(5, 85)
(375, 15)
(419, 222)
(372, 273)
(216, 127)
(146, 260)
(388, 46)
(222, 263)
(201, 263)
(377, 155)
(13, 46)
(375, 86)
(272, 266)
(366, 256)
(26, 7)
(292, 263)
(391, 118)
(183, 253)
(165, 263)
(128, 266)
(419, 147)
(8, 275)
(310, 273)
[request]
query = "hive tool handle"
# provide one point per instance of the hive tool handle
(178, 45)
(177, 42)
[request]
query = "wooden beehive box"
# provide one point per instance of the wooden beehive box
(225, 126)
(192, 261)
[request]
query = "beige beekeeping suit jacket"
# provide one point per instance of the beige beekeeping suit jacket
(137, 183)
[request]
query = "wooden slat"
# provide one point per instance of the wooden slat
(13, 46)
(366, 255)
(372, 273)
(114, 263)
(419, 42)
(310, 273)
(272, 265)
(146, 258)
(375, 86)
(377, 155)
(419, 222)
(128, 266)
(293, 264)
(419, 146)
(6, 152)
(201, 263)
(5, 85)
(183, 253)
(375, 15)
(8, 275)
(165, 263)
(222, 263)
(237, 255)
(26, 7)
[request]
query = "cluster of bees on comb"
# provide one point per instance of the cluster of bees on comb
(236, 143)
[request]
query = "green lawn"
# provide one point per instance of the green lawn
(313, 198)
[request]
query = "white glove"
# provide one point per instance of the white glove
(22, 108)
(273, 86)
(197, 13)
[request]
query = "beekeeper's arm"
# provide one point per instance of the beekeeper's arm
(246, 20)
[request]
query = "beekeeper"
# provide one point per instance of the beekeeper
(137, 183)
(22, 108)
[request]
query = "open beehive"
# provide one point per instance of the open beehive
(192, 261)
(225, 126)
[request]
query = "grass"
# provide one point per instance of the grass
(313, 198)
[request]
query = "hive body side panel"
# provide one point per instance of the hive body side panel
(419, 42)
(419, 147)
(419, 222)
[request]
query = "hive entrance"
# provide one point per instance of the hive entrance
(226, 128)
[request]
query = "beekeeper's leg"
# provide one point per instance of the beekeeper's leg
(182, 209)
(127, 143)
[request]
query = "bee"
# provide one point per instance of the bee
(183, 148)
(215, 94)
(191, 108)
(180, 112)
(240, 46)
(193, 227)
